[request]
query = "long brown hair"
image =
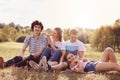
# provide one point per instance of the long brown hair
(59, 32)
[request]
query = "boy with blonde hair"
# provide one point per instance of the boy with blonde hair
(73, 45)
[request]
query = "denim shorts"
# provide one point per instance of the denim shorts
(90, 66)
(56, 56)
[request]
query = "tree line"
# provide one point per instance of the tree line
(12, 32)
(100, 38)
(107, 36)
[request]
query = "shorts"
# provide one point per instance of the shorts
(90, 66)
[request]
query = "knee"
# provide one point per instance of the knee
(30, 57)
(17, 58)
(109, 49)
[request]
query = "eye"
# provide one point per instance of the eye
(69, 58)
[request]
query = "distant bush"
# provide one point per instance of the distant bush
(7, 34)
(20, 39)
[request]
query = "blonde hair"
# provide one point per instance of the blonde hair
(73, 31)
(59, 33)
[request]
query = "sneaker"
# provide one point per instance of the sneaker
(45, 65)
(34, 65)
(1, 62)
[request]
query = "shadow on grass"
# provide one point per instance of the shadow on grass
(92, 76)
(22, 74)
(111, 75)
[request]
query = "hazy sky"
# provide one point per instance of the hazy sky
(60, 13)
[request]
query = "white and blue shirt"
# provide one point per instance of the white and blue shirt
(73, 47)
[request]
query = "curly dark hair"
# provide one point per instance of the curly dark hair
(36, 22)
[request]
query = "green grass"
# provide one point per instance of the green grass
(92, 54)
(10, 49)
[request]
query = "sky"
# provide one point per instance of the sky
(60, 13)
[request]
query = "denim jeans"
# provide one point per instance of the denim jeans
(56, 56)
(47, 53)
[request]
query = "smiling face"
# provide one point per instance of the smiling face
(54, 34)
(57, 34)
(70, 57)
(37, 29)
(75, 65)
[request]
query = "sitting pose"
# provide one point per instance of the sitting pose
(53, 50)
(36, 43)
(108, 63)
(73, 45)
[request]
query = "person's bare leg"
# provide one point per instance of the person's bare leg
(52, 63)
(108, 55)
(106, 66)
(60, 66)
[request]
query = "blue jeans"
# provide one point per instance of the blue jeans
(56, 56)
(47, 53)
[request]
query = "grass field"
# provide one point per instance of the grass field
(10, 49)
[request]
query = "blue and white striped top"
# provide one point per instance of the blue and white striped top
(35, 44)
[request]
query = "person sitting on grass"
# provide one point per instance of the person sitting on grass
(53, 49)
(36, 43)
(108, 63)
(73, 45)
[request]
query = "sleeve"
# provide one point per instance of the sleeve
(27, 40)
(44, 42)
(63, 46)
(81, 46)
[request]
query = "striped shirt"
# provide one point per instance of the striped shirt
(35, 44)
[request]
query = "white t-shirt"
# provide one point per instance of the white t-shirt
(58, 44)
(73, 47)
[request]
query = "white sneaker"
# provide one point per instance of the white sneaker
(34, 65)
(44, 61)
